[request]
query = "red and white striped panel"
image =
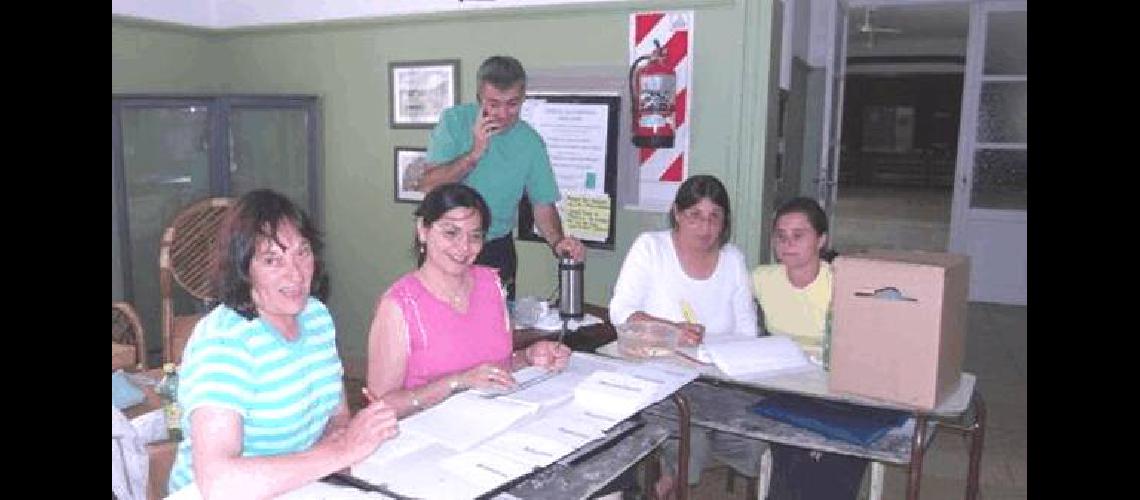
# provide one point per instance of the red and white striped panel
(674, 31)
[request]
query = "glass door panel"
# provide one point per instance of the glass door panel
(165, 153)
(269, 149)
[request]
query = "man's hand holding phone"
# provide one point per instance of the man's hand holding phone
(485, 127)
(490, 125)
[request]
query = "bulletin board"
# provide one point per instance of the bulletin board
(581, 135)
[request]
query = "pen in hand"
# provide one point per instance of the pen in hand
(692, 331)
(687, 311)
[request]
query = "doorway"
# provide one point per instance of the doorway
(901, 110)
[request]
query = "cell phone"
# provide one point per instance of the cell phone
(494, 126)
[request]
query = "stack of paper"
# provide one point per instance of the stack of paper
(476, 441)
(614, 393)
(737, 356)
(467, 419)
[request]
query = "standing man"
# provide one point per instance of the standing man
(487, 147)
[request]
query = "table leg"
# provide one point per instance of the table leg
(917, 449)
(977, 440)
(683, 416)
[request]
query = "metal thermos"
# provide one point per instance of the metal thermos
(570, 281)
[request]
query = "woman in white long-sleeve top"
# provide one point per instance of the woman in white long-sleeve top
(693, 263)
(692, 278)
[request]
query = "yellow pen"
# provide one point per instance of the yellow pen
(687, 310)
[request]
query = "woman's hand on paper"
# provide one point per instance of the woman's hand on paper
(488, 376)
(371, 426)
(548, 354)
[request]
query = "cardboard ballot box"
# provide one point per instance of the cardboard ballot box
(899, 325)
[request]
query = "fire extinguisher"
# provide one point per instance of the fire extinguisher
(652, 91)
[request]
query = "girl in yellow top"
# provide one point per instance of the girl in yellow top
(796, 293)
(794, 297)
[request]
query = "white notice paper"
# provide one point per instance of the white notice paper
(575, 137)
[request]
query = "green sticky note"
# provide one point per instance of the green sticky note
(590, 180)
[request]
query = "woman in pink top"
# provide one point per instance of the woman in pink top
(444, 327)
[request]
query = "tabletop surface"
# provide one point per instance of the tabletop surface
(726, 408)
(587, 471)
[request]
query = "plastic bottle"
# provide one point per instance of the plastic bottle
(167, 390)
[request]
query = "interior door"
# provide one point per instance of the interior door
(275, 145)
(990, 215)
(827, 181)
(163, 151)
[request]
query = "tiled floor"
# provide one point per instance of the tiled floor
(912, 218)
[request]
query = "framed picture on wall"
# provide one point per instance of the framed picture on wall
(420, 91)
(409, 164)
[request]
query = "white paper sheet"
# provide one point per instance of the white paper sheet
(615, 393)
(527, 448)
(740, 356)
(467, 419)
(468, 444)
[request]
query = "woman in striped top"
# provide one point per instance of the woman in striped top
(263, 402)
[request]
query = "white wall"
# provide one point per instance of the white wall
(240, 13)
(200, 13)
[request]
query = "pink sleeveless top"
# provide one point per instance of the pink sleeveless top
(442, 340)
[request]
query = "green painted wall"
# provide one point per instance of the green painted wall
(368, 235)
(157, 58)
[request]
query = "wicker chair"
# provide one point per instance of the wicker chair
(187, 258)
(127, 332)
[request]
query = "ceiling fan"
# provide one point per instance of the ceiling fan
(870, 29)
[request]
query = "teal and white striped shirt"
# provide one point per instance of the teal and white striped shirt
(284, 391)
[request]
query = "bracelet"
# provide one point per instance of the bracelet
(415, 400)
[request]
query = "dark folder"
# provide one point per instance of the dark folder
(846, 422)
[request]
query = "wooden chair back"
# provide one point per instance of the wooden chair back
(127, 330)
(187, 258)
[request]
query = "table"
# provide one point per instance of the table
(723, 405)
(701, 403)
(586, 471)
(590, 339)
(585, 339)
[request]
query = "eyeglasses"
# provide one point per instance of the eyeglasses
(694, 217)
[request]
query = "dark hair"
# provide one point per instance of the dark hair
(446, 197)
(696, 188)
(503, 72)
(257, 215)
(815, 216)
